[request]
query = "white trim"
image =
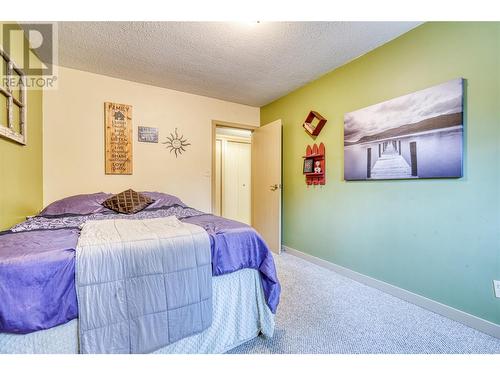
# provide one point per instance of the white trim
(467, 319)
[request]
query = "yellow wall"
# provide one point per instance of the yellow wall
(21, 166)
(74, 137)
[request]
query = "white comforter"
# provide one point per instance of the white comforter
(141, 284)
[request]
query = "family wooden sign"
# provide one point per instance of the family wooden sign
(118, 138)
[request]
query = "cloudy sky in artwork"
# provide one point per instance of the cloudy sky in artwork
(438, 100)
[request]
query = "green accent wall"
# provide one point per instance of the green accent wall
(21, 186)
(438, 238)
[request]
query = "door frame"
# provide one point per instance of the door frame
(215, 125)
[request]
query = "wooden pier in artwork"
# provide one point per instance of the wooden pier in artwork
(390, 164)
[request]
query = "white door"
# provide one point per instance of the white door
(236, 181)
(218, 177)
(266, 183)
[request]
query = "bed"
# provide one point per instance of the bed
(38, 300)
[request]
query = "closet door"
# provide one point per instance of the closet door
(236, 202)
(218, 177)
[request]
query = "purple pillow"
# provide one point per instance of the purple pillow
(82, 204)
(162, 199)
(85, 204)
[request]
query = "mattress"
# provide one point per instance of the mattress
(240, 313)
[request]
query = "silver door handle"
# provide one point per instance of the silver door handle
(274, 187)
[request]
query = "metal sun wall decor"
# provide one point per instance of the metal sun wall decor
(176, 143)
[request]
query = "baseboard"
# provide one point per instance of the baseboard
(467, 319)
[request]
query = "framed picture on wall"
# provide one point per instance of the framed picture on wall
(308, 166)
(13, 112)
(147, 134)
(415, 136)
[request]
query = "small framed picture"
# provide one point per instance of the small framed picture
(147, 134)
(308, 166)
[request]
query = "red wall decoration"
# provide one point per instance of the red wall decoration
(316, 156)
(314, 123)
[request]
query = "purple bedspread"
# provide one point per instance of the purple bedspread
(37, 263)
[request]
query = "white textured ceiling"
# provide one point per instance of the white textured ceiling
(245, 63)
